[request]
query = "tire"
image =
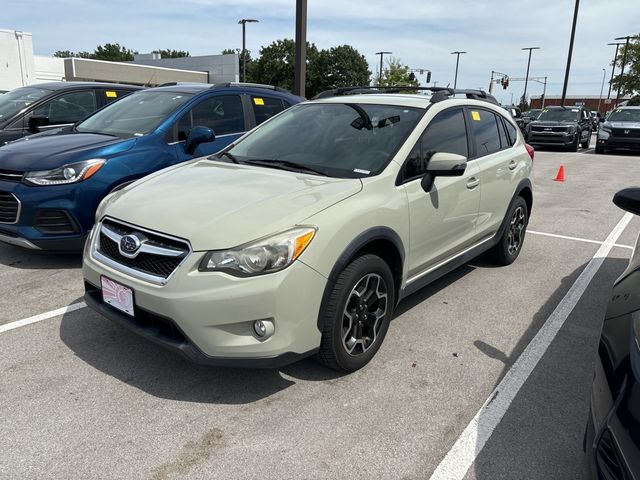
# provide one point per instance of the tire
(599, 149)
(504, 252)
(574, 146)
(346, 346)
(586, 143)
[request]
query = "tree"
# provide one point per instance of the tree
(630, 81)
(396, 74)
(342, 66)
(230, 51)
(634, 102)
(172, 53)
(113, 52)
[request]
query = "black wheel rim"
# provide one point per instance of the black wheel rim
(364, 314)
(516, 230)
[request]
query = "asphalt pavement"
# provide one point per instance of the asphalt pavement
(83, 398)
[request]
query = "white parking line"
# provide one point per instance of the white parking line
(577, 239)
(457, 462)
(43, 316)
(588, 150)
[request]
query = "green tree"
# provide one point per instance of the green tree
(630, 81)
(113, 52)
(342, 66)
(69, 54)
(634, 102)
(396, 74)
(172, 53)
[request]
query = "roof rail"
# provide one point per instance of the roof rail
(251, 85)
(438, 93)
(168, 84)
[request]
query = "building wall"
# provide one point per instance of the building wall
(48, 69)
(221, 68)
(590, 102)
(16, 59)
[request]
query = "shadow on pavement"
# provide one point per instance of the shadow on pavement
(23, 258)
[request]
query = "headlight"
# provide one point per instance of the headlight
(266, 255)
(603, 133)
(71, 173)
(572, 129)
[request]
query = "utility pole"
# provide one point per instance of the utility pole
(573, 34)
(624, 62)
(382, 54)
(604, 74)
(300, 68)
(244, 21)
(526, 81)
(455, 80)
(613, 69)
(544, 92)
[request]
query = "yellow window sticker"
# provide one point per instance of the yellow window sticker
(111, 94)
(258, 101)
(475, 115)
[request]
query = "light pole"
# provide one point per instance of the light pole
(573, 34)
(382, 54)
(624, 61)
(604, 74)
(243, 22)
(526, 78)
(300, 68)
(455, 79)
(613, 69)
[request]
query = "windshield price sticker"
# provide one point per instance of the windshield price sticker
(111, 94)
(258, 101)
(475, 115)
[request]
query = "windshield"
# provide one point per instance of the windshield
(339, 140)
(621, 115)
(559, 115)
(531, 113)
(16, 100)
(135, 115)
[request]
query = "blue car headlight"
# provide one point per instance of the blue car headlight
(71, 173)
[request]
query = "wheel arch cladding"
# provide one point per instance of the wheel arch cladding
(381, 241)
(524, 191)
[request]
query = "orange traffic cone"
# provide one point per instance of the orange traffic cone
(560, 175)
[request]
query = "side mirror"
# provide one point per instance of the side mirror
(443, 164)
(198, 135)
(628, 199)
(601, 119)
(35, 122)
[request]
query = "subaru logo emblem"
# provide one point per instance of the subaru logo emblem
(129, 245)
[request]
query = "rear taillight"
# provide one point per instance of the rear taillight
(530, 150)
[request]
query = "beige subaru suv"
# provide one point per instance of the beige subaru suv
(302, 236)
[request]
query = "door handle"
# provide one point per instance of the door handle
(513, 164)
(473, 183)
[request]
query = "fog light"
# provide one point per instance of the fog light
(263, 329)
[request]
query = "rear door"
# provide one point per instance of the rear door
(224, 114)
(264, 107)
(64, 109)
(497, 162)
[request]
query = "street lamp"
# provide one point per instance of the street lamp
(624, 61)
(455, 79)
(526, 78)
(573, 35)
(243, 22)
(382, 54)
(613, 69)
(604, 74)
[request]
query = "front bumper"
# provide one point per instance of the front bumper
(208, 317)
(632, 143)
(562, 139)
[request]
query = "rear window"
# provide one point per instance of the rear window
(266, 107)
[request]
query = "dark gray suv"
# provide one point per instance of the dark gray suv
(568, 127)
(620, 130)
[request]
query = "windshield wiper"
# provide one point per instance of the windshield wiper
(95, 132)
(229, 156)
(286, 165)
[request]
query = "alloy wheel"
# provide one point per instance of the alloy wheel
(516, 230)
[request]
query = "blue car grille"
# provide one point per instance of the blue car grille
(11, 175)
(9, 208)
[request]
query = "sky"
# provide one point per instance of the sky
(421, 33)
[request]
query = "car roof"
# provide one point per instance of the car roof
(55, 86)
(194, 88)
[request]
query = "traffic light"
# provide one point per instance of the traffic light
(429, 77)
(412, 77)
(504, 81)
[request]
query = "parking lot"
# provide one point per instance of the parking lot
(84, 398)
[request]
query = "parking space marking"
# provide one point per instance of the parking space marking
(43, 316)
(588, 150)
(577, 239)
(466, 449)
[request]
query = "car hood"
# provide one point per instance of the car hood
(622, 124)
(218, 205)
(45, 152)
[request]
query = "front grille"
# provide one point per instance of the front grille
(547, 139)
(9, 208)
(55, 222)
(11, 175)
(608, 460)
(148, 263)
(620, 132)
(535, 128)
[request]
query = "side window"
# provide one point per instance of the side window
(223, 114)
(511, 132)
(484, 131)
(68, 107)
(111, 95)
(445, 133)
(504, 142)
(266, 107)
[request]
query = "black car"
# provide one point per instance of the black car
(568, 127)
(516, 114)
(620, 130)
(28, 110)
(530, 115)
(612, 438)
